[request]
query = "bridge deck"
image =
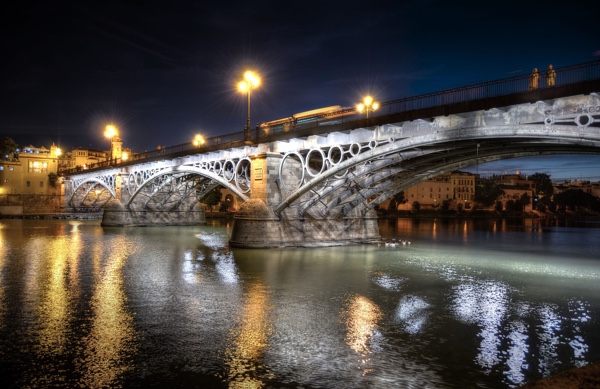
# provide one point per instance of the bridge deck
(571, 80)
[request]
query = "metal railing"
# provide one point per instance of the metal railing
(567, 75)
(503, 87)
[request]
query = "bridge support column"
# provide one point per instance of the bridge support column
(257, 226)
(116, 215)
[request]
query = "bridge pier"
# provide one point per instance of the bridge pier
(116, 215)
(256, 226)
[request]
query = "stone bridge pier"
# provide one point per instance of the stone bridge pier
(258, 223)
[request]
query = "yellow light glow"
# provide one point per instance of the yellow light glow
(125, 156)
(110, 131)
(368, 105)
(57, 152)
(198, 140)
(251, 81)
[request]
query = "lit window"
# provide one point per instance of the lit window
(38, 166)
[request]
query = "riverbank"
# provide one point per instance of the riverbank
(57, 216)
(587, 377)
(436, 214)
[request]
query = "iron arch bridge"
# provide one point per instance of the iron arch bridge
(339, 176)
(369, 166)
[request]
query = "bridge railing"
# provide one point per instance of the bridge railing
(567, 75)
(497, 88)
(161, 152)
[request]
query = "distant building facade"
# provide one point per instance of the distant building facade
(27, 172)
(457, 187)
(515, 186)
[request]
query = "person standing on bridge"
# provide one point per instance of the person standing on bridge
(534, 79)
(550, 76)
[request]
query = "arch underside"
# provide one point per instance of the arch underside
(175, 188)
(92, 192)
(180, 188)
(358, 184)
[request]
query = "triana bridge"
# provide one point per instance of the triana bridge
(318, 183)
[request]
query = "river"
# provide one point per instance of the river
(437, 304)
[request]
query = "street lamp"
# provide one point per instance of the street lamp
(250, 82)
(198, 140)
(110, 132)
(368, 105)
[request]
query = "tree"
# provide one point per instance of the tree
(53, 180)
(445, 206)
(575, 199)
(510, 206)
(487, 191)
(396, 200)
(543, 184)
(213, 197)
(498, 206)
(416, 206)
(7, 147)
(525, 200)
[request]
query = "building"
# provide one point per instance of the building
(81, 157)
(592, 188)
(84, 158)
(28, 171)
(515, 186)
(457, 187)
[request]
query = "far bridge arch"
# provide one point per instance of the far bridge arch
(171, 187)
(82, 189)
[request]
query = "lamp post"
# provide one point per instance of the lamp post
(110, 132)
(250, 82)
(368, 105)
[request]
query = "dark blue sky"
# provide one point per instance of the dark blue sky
(163, 71)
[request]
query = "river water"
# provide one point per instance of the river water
(465, 304)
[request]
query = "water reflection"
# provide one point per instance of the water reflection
(362, 335)
(81, 306)
(4, 248)
(55, 308)
(225, 267)
(111, 344)
(412, 312)
(248, 341)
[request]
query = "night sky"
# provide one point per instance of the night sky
(164, 71)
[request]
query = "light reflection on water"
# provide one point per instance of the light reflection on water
(85, 306)
(111, 342)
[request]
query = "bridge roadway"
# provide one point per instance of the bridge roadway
(320, 185)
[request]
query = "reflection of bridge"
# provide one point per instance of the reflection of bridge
(319, 184)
